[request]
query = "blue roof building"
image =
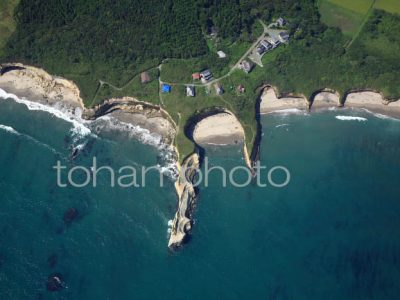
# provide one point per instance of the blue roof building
(166, 88)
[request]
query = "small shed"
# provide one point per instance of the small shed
(218, 88)
(196, 76)
(240, 88)
(221, 54)
(166, 88)
(144, 77)
(190, 91)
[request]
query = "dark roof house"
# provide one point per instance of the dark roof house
(246, 66)
(206, 75)
(281, 22)
(284, 37)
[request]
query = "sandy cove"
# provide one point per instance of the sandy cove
(37, 85)
(219, 129)
(270, 102)
(369, 100)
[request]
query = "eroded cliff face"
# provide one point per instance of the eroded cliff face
(186, 192)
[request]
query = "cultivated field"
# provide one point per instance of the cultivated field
(347, 15)
(7, 24)
(392, 6)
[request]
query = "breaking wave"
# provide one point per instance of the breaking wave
(72, 116)
(350, 118)
(9, 129)
(83, 128)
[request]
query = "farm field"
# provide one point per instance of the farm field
(347, 15)
(7, 24)
(392, 6)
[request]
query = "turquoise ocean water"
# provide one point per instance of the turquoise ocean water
(332, 233)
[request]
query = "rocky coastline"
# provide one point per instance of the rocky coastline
(215, 125)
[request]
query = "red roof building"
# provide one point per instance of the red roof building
(196, 76)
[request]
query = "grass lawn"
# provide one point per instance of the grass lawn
(392, 6)
(134, 88)
(347, 15)
(7, 24)
(358, 6)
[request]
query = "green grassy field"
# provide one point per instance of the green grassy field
(7, 24)
(347, 15)
(392, 6)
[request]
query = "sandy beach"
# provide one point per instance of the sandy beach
(373, 102)
(219, 129)
(326, 99)
(270, 102)
(157, 125)
(37, 85)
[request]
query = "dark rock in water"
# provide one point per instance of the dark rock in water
(52, 260)
(55, 282)
(70, 215)
(60, 229)
(75, 153)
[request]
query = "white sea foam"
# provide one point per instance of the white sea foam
(350, 118)
(144, 135)
(168, 161)
(281, 125)
(13, 131)
(59, 111)
(290, 111)
(379, 115)
(9, 129)
(81, 129)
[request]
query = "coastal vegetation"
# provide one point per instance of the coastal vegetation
(7, 22)
(104, 46)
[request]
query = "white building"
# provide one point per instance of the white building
(221, 54)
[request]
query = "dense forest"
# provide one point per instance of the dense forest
(88, 40)
(92, 40)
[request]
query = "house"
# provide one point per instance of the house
(261, 49)
(266, 45)
(144, 77)
(281, 22)
(273, 41)
(206, 76)
(190, 91)
(246, 66)
(196, 76)
(284, 37)
(166, 88)
(218, 88)
(240, 88)
(221, 54)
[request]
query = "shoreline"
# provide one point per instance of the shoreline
(215, 125)
(368, 100)
(218, 129)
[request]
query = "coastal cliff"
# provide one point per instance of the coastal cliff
(204, 127)
(182, 222)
